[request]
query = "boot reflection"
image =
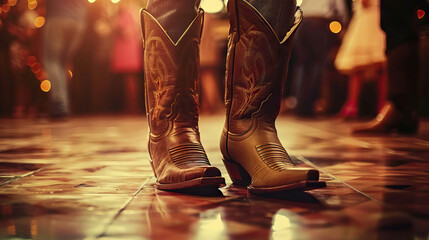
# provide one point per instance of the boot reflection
(252, 217)
(183, 216)
(235, 216)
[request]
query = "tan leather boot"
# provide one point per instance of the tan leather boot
(256, 68)
(171, 84)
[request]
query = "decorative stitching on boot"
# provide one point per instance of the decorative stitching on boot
(189, 154)
(274, 156)
(254, 84)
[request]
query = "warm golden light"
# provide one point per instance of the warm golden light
(335, 27)
(115, 1)
(91, 1)
(70, 74)
(420, 13)
(33, 228)
(32, 4)
(298, 2)
(39, 22)
(5, 8)
(45, 85)
(212, 6)
(12, 2)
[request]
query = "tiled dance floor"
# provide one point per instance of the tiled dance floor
(89, 178)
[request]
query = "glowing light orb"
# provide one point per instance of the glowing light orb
(45, 85)
(39, 22)
(32, 4)
(420, 13)
(12, 2)
(5, 8)
(335, 27)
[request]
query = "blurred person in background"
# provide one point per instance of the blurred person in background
(215, 31)
(399, 114)
(260, 42)
(314, 42)
(65, 26)
(361, 55)
(127, 56)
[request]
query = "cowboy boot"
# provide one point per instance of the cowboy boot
(171, 84)
(257, 63)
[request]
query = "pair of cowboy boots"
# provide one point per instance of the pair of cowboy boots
(256, 68)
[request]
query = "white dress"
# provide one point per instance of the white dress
(364, 42)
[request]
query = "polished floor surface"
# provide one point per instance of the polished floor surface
(90, 178)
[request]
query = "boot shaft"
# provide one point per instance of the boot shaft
(171, 75)
(257, 64)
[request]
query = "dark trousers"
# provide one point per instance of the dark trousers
(175, 15)
(398, 20)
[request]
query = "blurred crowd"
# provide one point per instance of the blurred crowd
(95, 65)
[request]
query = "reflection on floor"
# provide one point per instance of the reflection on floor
(89, 178)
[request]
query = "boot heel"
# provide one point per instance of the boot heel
(237, 173)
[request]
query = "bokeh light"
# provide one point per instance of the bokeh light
(5, 8)
(32, 4)
(39, 22)
(335, 27)
(45, 85)
(91, 1)
(31, 60)
(35, 68)
(420, 13)
(212, 6)
(115, 1)
(12, 2)
(41, 75)
(69, 74)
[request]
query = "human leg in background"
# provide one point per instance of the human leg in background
(61, 39)
(53, 45)
(350, 108)
(258, 56)
(174, 16)
(171, 36)
(382, 89)
(400, 112)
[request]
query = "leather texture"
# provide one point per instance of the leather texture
(257, 63)
(172, 88)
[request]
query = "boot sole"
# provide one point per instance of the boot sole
(203, 182)
(241, 177)
(299, 186)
